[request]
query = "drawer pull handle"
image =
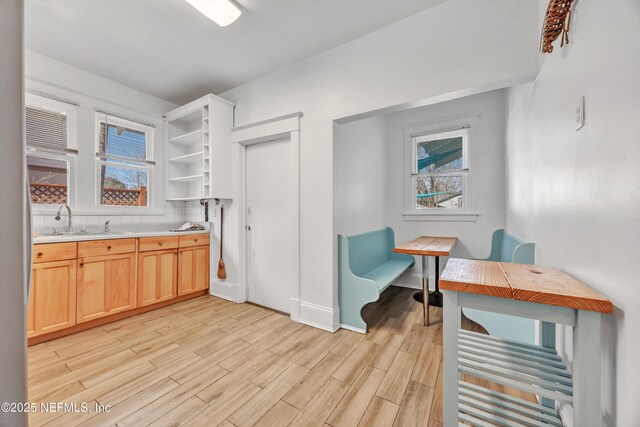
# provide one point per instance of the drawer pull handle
(160, 243)
(81, 264)
(108, 248)
(40, 254)
(195, 240)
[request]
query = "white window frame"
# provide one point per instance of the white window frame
(45, 102)
(147, 165)
(462, 126)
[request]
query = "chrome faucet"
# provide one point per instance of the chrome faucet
(106, 226)
(69, 228)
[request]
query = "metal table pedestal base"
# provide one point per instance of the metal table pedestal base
(435, 298)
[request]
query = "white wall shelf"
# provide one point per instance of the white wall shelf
(184, 199)
(198, 149)
(188, 138)
(188, 178)
(188, 158)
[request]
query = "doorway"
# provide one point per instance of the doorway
(268, 223)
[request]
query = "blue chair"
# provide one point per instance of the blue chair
(507, 248)
(367, 266)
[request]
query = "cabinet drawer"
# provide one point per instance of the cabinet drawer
(106, 247)
(157, 243)
(194, 240)
(54, 252)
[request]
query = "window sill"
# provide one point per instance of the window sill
(441, 216)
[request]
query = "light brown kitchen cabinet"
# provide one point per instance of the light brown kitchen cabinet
(106, 285)
(193, 269)
(52, 301)
(77, 286)
(157, 276)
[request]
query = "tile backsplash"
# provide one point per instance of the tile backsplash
(173, 212)
(194, 211)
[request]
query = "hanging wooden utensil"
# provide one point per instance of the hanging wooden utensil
(222, 272)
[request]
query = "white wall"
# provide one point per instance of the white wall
(13, 387)
(486, 149)
(457, 45)
(51, 77)
(359, 176)
(577, 193)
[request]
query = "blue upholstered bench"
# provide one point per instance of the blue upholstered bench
(507, 248)
(367, 266)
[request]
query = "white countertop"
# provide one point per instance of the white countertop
(156, 231)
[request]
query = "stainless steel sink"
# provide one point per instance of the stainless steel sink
(97, 233)
(79, 233)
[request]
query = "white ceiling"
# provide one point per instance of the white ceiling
(168, 49)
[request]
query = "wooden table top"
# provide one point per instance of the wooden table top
(532, 283)
(428, 246)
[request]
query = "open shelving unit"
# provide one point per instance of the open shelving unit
(199, 135)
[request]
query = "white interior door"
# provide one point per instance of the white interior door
(269, 220)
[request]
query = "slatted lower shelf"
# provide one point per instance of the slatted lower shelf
(525, 367)
(479, 406)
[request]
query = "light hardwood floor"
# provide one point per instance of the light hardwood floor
(208, 362)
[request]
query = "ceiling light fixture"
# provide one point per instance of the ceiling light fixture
(222, 12)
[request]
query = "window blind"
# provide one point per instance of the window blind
(46, 128)
(120, 143)
(50, 125)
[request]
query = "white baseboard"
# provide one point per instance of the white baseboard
(315, 315)
(351, 328)
(225, 290)
(413, 281)
(295, 309)
(319, 316)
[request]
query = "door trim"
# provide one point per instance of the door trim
(287, 126)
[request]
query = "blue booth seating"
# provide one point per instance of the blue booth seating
(367, 266)
(507, 248)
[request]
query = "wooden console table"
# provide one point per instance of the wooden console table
(530, 291)
(427, 246)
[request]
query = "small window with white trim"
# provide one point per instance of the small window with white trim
(50, 139)
(440, 170)
(125, 162)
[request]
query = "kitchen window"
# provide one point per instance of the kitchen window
(50, 137)
(125, 162)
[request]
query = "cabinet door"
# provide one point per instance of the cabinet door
(193, 269)
(106, 285)
(52, 303)
(157, 276)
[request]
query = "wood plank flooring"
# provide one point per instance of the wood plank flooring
(208, 362)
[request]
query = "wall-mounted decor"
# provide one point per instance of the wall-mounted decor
(556, 22)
